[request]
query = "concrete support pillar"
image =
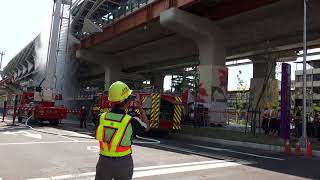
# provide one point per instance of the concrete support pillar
(111, 75)
(263, 87)
(212, 70)
(157, 82)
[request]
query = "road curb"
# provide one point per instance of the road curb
(266, 147)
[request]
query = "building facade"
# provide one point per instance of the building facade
(313, 88)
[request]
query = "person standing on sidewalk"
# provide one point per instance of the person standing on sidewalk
(265, 121)
(273, 121)
(114, 134)
(83, 117)
(316, 125)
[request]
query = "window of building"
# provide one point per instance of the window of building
(316, 90)
(299, 78)
(298, 102)
(316, 77)
(316, 102)
(309, 102)
(299, 91)
(309, 77)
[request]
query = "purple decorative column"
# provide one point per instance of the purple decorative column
(285, 101)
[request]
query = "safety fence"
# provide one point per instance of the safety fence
(244, 120)
(31, 110)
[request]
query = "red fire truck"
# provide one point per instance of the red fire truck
(38, 104)
(39, 110)
(164, 111)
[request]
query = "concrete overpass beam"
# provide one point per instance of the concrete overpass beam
(95, 57)
(111, 64)
(212, 56)
(263, 86)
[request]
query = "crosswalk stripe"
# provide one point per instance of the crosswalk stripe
(158, 170)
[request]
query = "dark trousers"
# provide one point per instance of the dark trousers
(265, 125)
(114, 168)
(83, 123)
(318, 131)
(273, 125)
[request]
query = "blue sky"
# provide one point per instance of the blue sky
(23, 20)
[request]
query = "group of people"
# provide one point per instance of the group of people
(271, 121)
(313, 124)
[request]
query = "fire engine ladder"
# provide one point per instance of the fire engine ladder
(63, 40)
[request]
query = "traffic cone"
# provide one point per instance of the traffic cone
(287, 148)
(309, 149)
(298, 149)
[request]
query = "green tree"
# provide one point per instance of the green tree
(241, 95)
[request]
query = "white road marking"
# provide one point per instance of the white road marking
(49, 142)
(79, 134)
(196, 153)
(68, 138)
(24, 133)
(93, 148)
(158, 170)
(182, 169)
(177, 165)
(237, 152)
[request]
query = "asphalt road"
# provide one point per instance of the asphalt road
(29, 154)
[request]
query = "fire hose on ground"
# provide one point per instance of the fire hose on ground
(146, 140)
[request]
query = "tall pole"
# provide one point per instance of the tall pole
(304, 135)
(50, 76)
(1, 54)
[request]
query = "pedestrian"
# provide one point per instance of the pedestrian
(83, 117)
(318, 129)
(273, 121)
(278, 123)
(114, 134)
(265, 121)
(316, 125)
(298, 124)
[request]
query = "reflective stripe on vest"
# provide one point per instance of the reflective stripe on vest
(117, 144)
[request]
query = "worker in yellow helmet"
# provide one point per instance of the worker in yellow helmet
(114, 134)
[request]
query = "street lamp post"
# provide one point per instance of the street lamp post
(1, 54)
(304, 135)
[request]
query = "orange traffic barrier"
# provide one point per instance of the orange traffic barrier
(298, 151)
(287, 147)
(309, 149)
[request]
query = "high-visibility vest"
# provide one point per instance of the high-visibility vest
(114, 134)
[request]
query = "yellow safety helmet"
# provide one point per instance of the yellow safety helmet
(119, 92)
